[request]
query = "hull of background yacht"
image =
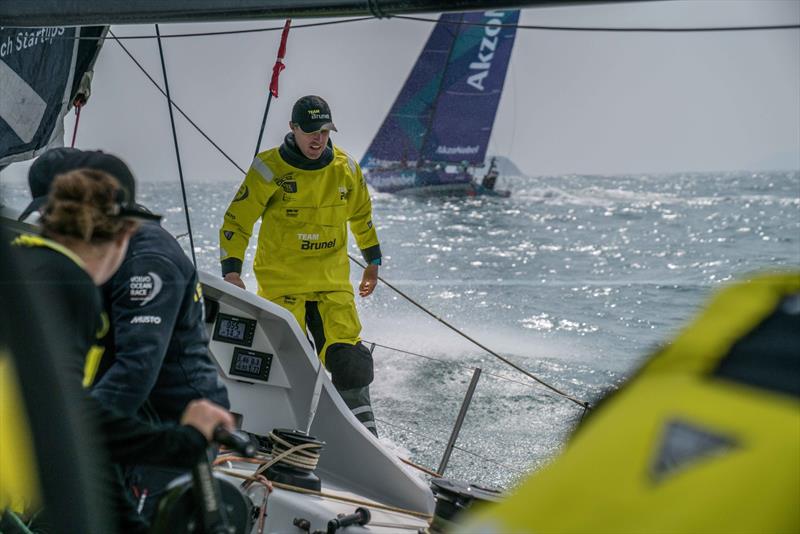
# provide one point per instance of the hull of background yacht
(428, 183)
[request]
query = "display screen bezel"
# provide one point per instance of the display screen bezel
(249, 330)
(266, 364)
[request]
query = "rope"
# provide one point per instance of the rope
(304, 456)
(185, 116)
(416, 354)
(177, 150)
(530, 375)
(332, 496)
(232, 457)
(262, 512)
(613, 29)
(422, 468)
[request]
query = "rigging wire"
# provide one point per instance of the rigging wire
(185, 116)
(583, 404)
(177, 149)
(607, 29)
(422, 435)
(612, 29)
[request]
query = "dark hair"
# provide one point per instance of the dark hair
(82, 205)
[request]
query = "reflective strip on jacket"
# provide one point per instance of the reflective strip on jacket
(302, 244)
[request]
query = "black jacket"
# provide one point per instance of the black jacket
(74, 313)
(73, 308)
(157, 357)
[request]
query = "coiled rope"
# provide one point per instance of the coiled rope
(304, 456)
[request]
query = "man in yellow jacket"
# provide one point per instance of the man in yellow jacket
(306, 191)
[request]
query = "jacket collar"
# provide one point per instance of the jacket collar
(292, 155)
(30, 240)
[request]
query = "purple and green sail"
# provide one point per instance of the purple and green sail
(446, 109)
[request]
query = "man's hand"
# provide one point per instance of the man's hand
(234, 279)
(368, 280)
(205, 416)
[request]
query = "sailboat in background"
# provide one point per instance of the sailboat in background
(441, 121)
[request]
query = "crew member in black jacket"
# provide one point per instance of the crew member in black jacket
(86, 225)
(156, 356)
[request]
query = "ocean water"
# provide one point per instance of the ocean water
(574, 278)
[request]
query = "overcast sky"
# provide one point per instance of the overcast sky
(595, 103)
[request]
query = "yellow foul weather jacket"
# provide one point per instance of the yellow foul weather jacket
(704, 438)
(302, 244)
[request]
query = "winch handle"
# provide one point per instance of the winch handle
(237, 441)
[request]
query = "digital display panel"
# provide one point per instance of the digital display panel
(251, 364)
(248, 364)
(234, 330)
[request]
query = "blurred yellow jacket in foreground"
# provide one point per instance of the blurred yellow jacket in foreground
(704, 438)
(19, 488)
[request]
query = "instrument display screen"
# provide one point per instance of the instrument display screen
(234, 330)
(251, 364)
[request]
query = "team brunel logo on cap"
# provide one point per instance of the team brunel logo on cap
(315, 114)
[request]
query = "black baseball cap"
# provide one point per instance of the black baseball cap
(62, 160)
(312, 114)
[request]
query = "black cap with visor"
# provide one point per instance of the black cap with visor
(63, 160)
(312, 114)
